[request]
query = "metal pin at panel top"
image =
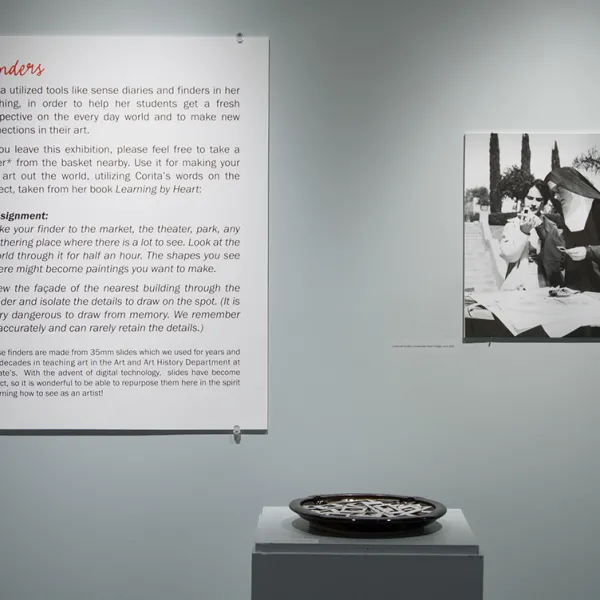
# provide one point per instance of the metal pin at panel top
(237, 434)
(239, 37)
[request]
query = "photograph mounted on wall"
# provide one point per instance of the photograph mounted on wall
(531, 237)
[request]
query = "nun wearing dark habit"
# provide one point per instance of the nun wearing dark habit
(578, 201)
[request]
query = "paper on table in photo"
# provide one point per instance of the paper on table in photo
(523, 310)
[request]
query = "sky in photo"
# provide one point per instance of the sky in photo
(570, 145)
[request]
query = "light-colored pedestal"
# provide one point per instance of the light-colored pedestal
(291, 562)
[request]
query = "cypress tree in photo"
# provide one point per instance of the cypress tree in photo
(525, 155)
(495, 175)
(555, 157)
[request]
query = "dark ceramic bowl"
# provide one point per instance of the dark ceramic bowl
(368, 513)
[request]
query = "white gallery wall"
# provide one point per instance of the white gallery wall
(369, 102)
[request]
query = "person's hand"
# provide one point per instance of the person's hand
(529, 222)
(577, 254)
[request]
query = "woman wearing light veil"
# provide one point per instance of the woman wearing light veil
(578, 201)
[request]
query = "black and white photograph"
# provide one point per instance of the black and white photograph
(531, 237)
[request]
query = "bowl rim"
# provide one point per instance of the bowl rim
(297, 506)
